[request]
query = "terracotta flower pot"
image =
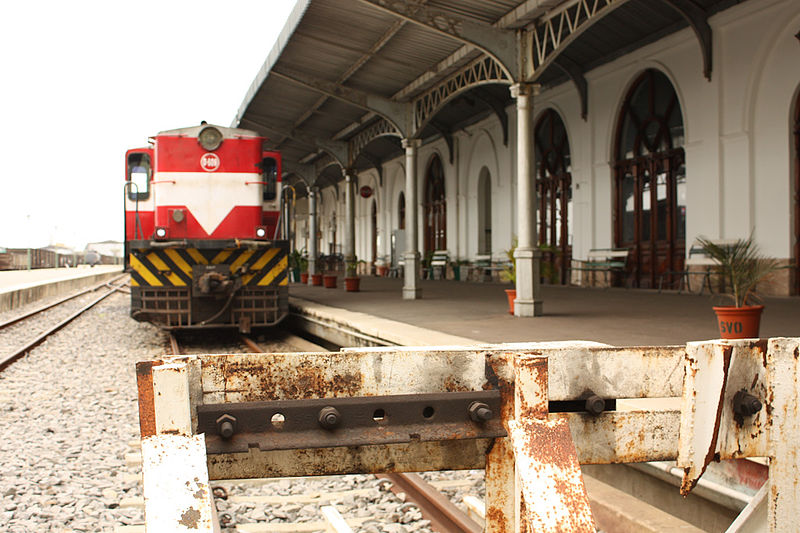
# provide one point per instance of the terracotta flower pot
(739, 322)
(304, 278)
(512, 295)
(381, 270)
(329, 280)
(352, 284)
(316, 280)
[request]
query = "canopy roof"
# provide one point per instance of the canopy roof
(338, 64)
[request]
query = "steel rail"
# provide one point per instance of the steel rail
(444, 515)
(59, 302)
(173, 344)
(6, 361)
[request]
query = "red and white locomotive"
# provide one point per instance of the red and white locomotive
(202, 216)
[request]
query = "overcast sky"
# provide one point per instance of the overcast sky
(82, 81)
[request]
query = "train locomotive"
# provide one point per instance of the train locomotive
(202, 223)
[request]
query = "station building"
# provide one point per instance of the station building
(563, 126)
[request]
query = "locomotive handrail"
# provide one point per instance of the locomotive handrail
(153, 182)
(256, 183)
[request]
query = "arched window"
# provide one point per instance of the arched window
(484, 212)
(650, 180)
(554, 191)
(797, 195)
(435, 207)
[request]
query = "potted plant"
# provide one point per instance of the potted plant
(351, 279)
(381, 268)
(457, 264)
(299, 264)
(741, 266)
(510, 273)
(329, 280)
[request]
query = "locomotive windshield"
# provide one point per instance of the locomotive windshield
(139, 176)
(269, 169)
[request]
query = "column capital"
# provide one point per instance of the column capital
(412, 143)
(524, 89)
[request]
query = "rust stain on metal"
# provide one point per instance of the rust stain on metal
(552, 483)
(190, 518)
(266, 377)
(144, 383)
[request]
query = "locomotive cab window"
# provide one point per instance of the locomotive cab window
(138, 176)
(269, 172)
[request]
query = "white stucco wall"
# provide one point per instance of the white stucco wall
(737, 144)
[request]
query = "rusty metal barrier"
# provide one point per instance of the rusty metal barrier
(738, 399)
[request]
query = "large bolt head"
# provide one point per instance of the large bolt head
(595, 405)
(329, 417)
(226, 426)
(745, 404)
(480, 412)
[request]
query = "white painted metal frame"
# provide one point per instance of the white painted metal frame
(527, 472)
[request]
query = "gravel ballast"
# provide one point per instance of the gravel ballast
(69, 412)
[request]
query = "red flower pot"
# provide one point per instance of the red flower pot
(352, 284)
(512, 295)
(304, 278)
(739, 322)
(316, 280)
(329, 280)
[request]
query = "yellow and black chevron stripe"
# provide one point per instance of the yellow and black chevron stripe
(172, 267)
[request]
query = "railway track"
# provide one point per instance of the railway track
(18, 352)
(443, 514)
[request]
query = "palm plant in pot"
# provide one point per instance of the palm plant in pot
(351, 279)
(741, 266)
(510, 273)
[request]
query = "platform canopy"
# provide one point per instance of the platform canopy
(349, 79)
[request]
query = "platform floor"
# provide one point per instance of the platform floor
(620, 317)
(17, 279)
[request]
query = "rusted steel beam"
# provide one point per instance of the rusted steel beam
(552, 494)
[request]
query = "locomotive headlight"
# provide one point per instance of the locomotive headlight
(261, 232)
(210, 138)
(161, 233)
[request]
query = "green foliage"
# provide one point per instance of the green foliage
(742, 266)
(298, 260)
(510, 268)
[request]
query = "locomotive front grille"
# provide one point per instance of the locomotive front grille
(207, 287)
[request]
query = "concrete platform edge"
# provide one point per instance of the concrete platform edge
(360, 329)
(17, 297)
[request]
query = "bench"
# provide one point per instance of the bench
(439, 261)
(704, 266)
(483, 268)
(606, 260)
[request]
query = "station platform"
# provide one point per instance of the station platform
(20, 287)
(464, 312)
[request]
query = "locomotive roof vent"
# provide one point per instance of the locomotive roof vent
(210, 138)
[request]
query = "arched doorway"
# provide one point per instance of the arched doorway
(435, 207)
(484, 212)
(554, 191)
(650, 180)
(797, 195)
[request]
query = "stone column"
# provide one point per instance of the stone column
(349, 224)
(411, 290)
(527, 255)
(312, 232)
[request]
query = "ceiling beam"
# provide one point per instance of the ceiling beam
(499, 44)
(337, 149)
(395, 112)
